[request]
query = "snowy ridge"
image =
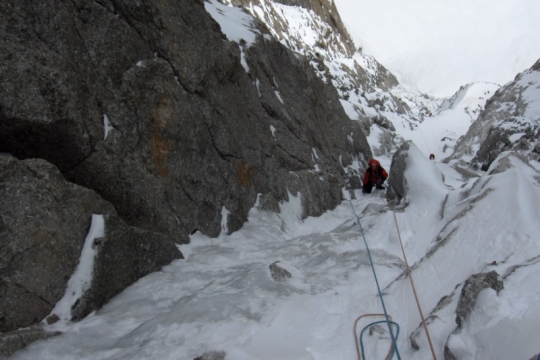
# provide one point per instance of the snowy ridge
(389, 112)
(369, 93)
(471, 98)
(511, 121)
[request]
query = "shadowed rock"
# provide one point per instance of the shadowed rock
(43, 227)
(397, 184)
(149, 106)
(278, 273)
(472, 287)
(149, 114)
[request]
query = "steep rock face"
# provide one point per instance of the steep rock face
(369, 93)
(510, 121)
(43, 227)
(149, 106)
(335, 37)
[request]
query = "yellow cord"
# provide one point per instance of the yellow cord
(414, 290)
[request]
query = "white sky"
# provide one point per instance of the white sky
(437, 46)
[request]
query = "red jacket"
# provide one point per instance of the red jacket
(373, 176)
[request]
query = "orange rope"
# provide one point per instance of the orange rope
(356, 336)
(414, 290)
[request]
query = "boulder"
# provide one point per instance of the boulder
(44, 223)
(278, 273)
(397, 183)
(472, 287)
(469, 293)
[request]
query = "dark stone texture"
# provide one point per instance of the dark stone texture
(213, 355)
(508, 123)
(44, 222)
(43, 225)
(124, 255)
(190, 133)
(472, 287)
(469, 293)
(397, 184)
(278, 273)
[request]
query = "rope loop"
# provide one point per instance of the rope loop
(358, 339)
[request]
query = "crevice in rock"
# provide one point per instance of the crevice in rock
(28, 291)
(306, 166)
(222, 154)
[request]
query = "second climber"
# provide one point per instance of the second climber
(375, 176)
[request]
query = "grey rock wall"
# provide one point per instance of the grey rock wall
(145, 109)
(397, 183)
(43, 225)
(190, 132)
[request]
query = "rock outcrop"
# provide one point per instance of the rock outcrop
(335, 38)
(472, 287)
(44, 223)
(213, 355)
(160, 124)
(397, 183)
(370, 94)
(469, 293)
(510, 122)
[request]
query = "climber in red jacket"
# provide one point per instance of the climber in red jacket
(375, 176)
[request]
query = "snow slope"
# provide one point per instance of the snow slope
(223, 298)
(438, 134)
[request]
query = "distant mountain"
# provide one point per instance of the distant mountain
(510, 122)
(368, 92)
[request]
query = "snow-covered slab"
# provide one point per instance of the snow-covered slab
(235, 23)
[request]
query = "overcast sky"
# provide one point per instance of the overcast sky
(437, 46)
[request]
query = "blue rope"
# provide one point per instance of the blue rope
(377, 282)
(394, 348)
